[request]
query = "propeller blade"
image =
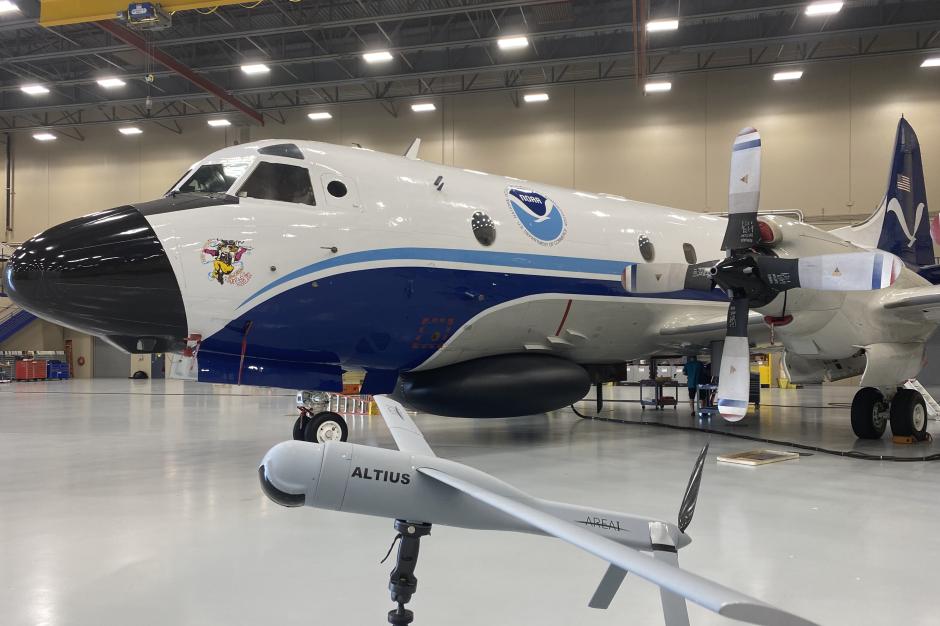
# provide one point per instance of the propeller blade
(691, 491)
(852, 271)
(675, 610)
(734, 377)
(650, 278)
(743, 192)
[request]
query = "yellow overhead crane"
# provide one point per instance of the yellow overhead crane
(59, 12)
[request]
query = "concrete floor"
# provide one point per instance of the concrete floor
(137, 502)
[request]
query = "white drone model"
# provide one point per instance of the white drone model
(416, 488)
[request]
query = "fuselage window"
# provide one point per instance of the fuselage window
(276, 181)
(646, 248)
(209, 179)
(690, 257)
(337, 189)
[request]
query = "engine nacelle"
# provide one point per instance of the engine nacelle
(496, 386)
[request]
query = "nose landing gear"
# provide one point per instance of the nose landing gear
(320, 427)
(316, 423)
(871, 412)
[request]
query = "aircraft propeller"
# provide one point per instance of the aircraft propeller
(752, 277)
(675, 610)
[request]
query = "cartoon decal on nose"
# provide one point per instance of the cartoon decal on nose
(541, 218)
(227, 259)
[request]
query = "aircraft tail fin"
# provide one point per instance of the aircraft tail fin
(902, 224)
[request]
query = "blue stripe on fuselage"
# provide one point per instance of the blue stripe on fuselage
(392, 318)
(478, 257)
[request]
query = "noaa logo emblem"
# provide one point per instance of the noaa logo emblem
(541, 218)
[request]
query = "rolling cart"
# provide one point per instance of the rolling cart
(706, 408)
(652, 394)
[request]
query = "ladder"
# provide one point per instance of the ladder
(933, 408)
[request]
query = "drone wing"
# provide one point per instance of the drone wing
(702, 591)
(404, 431)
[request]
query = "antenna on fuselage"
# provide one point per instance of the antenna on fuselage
(412, 151)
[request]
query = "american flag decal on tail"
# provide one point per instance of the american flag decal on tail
(904, 183)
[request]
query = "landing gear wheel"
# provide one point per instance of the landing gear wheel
(908, 415)
(868, 413)
(326, 426)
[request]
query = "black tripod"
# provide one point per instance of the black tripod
(402, 582)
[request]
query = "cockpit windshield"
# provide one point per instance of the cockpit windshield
(214, 178)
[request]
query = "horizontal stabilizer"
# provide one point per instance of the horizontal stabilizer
(702, 591)
(607, 588)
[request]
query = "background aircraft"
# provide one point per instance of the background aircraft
(284, 263)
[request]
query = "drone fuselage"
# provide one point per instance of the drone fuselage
(353, 478)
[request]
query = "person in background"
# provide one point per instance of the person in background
(693, 370)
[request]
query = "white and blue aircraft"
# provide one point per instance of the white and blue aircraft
(285, 263)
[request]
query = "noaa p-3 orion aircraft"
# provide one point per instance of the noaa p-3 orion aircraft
(416, 488)
(285, 263)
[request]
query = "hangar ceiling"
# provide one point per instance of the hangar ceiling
(314, 52)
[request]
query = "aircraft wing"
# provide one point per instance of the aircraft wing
(404, 431)
(702, 591)
(922, 301)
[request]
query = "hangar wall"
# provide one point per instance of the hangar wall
(827, 141)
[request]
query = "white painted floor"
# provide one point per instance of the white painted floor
(137, 502)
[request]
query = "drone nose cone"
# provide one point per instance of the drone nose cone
(105, 274)
(683, 540)
(289, 471)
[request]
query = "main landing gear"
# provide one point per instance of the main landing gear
(315, 424)
(871, 412)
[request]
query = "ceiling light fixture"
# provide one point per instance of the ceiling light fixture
(111, 83)
(130, 130)
(255, 68)
(423, 106)
(535, 97)
(794, 75)
(658, 86)
(658, 26)
(512, 43)
(823, 8)
(44, 137)
(34, 90)
(7, 7)
(931, 62)
(379, 56)
(219, 123)
(320, 115)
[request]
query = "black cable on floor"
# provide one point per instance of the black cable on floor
(852, 454)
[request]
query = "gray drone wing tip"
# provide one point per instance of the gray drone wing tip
(758, 613)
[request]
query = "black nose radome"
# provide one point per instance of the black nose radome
(105, 274)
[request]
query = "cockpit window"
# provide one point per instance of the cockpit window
(276, 181)
(215, 178)
(286, 150)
